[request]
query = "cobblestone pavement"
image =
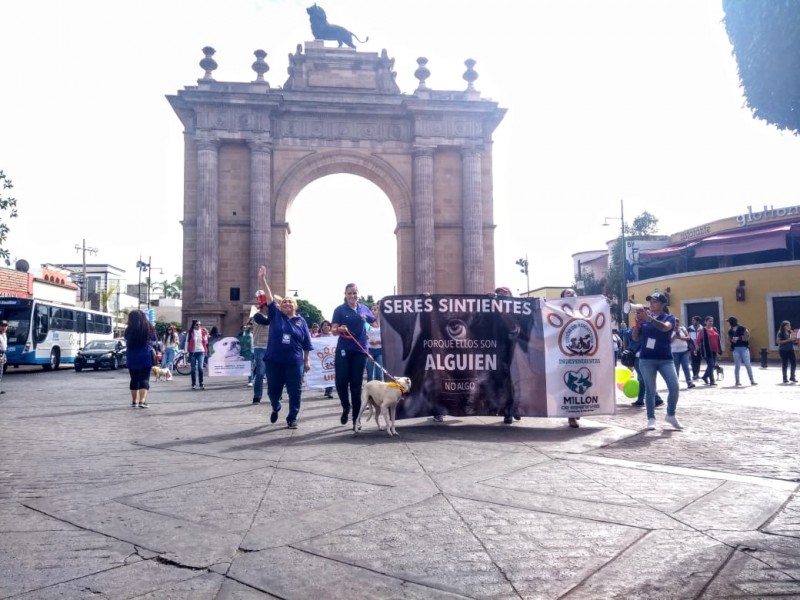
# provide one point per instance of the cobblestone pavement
(199, 497)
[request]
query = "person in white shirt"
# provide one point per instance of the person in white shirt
(680, 351)
(375, 366)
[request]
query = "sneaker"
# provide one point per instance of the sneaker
(438, 418)
(651, 424)
(673, 420)
(573, 423)
(194, 387)
(256, 400)
(793, 380)
(690, 385)
(695, 377)
(291, 424)
(202, 387)
(753, 383)
(713, 383)
(144, 405)
(508, 419)
(273, 416)
(737, 384)
(518, 417)
(345, 414)
(249, 384)
(637, 403)
(659, 402)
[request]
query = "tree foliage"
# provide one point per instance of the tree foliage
(766, 46)
(7, 203)
(642, 226)
(309, 312)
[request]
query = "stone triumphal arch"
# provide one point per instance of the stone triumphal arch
(250, 149)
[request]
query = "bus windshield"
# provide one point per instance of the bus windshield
(19, 323)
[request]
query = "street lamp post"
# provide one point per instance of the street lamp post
(623, 276)
(523, 262)
(84, 290)
(296, 295)
(143, 266)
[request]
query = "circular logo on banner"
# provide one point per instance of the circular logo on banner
(578, 338)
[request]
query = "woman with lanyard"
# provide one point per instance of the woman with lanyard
(654, 328)
(348, 324)
(287, 355)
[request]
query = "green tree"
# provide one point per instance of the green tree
(178, 285)
(106, 295)
(643, 227)
(368, 301)
(591, 286)
(766, 46)
(6, 204)
(309, 312)
(167, 288)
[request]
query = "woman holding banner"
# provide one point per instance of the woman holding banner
(348, 324)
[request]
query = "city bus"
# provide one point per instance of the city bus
(49, 333)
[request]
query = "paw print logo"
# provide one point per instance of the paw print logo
(578, 327)
(327, 358)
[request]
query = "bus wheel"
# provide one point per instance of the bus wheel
(55, 360)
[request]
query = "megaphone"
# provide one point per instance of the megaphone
(628, 307)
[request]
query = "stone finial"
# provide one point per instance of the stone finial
(470, 75)
(422, 73)
(260, 66)
(208, 63)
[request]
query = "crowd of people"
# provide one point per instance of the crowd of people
(280, 340)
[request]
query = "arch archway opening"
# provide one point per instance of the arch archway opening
(342, 231)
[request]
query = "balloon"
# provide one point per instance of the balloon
(631, 388)
(621, 387)
(622, 374)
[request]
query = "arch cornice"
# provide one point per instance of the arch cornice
(368, 166)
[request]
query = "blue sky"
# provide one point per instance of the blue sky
(631, 99)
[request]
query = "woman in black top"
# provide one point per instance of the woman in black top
(787, 341)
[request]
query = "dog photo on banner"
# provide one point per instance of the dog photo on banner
(227, 357)
(480, 355)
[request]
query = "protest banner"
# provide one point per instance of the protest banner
(482, 355)
(322, 358)
(229, 356)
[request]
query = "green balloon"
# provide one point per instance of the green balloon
(631, 388)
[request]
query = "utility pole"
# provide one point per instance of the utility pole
(84, 287)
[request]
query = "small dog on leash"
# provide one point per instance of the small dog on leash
(379, 395)
(162, 374)
(719, 372)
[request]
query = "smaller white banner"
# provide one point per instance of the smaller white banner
(322, 359)
(225, 358)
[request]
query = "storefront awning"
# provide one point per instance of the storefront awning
(727, 244)
(743, 242)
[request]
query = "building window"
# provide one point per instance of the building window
(234, 294)
(782, 306)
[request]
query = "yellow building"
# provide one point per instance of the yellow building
(747, 266)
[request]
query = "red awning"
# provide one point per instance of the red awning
(743, 242)
(666, 252)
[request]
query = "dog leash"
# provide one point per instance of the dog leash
(394, 381)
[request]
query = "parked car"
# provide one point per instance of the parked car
(108, 354)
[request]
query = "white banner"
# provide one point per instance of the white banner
(225, 358)
(322, 359)
(579, 357)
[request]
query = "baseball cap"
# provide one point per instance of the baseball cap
(3, 323)
(503, 291)
(658, 297)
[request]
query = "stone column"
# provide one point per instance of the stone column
(207, 248)
(424, 246)
(260, 210)
(473, 220)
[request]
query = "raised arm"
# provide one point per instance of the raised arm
(262, 280)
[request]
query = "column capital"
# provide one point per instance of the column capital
(423, 151)
(206, 142)
(260, 145)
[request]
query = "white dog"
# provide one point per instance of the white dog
(379, 395)
(224, 350)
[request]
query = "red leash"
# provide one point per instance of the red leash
(349, 336)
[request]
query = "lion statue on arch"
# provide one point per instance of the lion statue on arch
(322, 30)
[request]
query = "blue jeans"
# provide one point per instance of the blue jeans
(168, 358)
(289, 375)
(650, 367)
(259, 372)
(741, 354)
(373, 370)
(681, 359)
(197, 359)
